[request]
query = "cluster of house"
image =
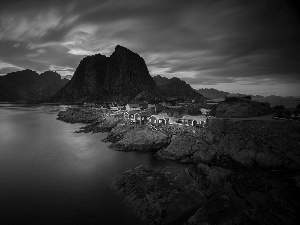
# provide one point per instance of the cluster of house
(137, 113)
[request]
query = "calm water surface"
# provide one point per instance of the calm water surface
(51, 175)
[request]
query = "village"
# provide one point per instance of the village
(154, 113)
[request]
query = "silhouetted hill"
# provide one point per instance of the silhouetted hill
(28, 85)
(176, 88)
(123, 76)
(241, 108)
(212, 93)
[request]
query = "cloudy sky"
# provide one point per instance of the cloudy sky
(245, 46)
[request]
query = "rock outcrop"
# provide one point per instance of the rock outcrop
(77, 115)
(142, 139)
(265, 144)
(241, 108)
(188, 148)
(118, 132)
(121, 77)
(103, 124)
(28, 85)
(215, 196)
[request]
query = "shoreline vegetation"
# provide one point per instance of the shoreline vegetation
(233, 171)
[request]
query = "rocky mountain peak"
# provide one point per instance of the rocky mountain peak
(120, 77)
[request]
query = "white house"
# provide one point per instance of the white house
(130, 107)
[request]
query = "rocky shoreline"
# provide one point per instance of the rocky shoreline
(77, 115)
(232, 172)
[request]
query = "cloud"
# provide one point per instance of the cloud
(6, 68)
(204, 42)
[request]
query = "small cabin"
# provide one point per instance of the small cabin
(130, 107)
(145, 117)
(160, 119)
(133, 115)
(121, 107)
(195, 121)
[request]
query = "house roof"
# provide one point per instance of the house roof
(161, 116)
(133, 105)
(145, 114)
(133, 112)
(143, 103)
(197, 118)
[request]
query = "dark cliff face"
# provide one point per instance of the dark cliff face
(29, 85)
(121, 77)
(176, 88)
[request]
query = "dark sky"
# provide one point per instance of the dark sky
(246, 46)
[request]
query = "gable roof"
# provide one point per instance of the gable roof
(133, 105)
(161, 116)
(133, 112)
(145, 114)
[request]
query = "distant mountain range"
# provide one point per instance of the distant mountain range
(28, 85)
(176, 88)
(212, 93)
(289, 102)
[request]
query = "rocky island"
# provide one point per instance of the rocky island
(231, 172)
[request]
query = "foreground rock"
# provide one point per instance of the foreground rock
(142, 139)
(216, 196)
(77, 115)
(159, 197)
(248, 144)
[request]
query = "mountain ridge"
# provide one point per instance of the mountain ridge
(28, 85)
(176, 88)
